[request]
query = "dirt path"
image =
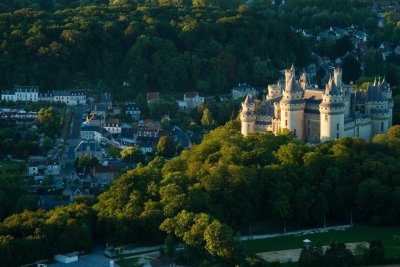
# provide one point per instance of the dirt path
(293, 255)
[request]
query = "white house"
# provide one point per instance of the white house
(8, 95)
(133, 110)
(43, 166)
(22, 93)
(113, 126)
(90, 132)
(71, 98)
(191, 100)
(66, 258)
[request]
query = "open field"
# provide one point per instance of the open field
(354, 234)
(293, 255)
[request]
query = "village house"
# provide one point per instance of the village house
(153, 97)
(43, 166)
(113, 126)
(133, 110)
(21, 93)
(105, 174)
(190, 100)
(89, 147)
(242, 89)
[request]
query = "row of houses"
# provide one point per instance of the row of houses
(335, 33)
(32, 94)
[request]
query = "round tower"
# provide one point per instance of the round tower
(292, 108)
(248, 116)
(387, 95)
(332, 111)
(377, 107)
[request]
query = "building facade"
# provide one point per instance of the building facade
(31, 94)
(22, 93)
(316, 115)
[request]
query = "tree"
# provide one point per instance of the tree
(49, 122)
(219, 240)
(376, 252)
(47, 145)
(132, 154)
(351, 69)
(338, 255)
(311, 256)
(207, 119)
(113, 152)
(166, 147)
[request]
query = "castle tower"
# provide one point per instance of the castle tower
(289, 73)
(387, 94)
(274, 90)
(377, 107)
(248, 116)
(332, 111)
(292, 107)
(303, 80)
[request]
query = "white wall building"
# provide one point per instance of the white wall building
(191, 100)
(22, 93)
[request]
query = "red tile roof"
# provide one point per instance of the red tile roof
(153, 96)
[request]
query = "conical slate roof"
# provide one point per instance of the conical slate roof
(249, 100)
(374, 94)
(291, 85)
(331, 88)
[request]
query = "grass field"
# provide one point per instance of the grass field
(354, 234)
(132, 262)
(15, 167)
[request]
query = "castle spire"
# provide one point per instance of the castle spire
(331, 88)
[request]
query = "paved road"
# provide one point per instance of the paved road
(72, 142)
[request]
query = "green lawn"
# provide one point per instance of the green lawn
(132, 262)
(355, 234)
(12, 167)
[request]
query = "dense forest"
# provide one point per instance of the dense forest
(212, 191)
(163, 48)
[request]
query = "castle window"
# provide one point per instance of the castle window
(337, 126)
(309, 122)
(337, 136)
(382, 126)
(326, 117)
(294, 132)
(309, 130)
(285, 122)
(285, 113)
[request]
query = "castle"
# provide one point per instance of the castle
(316, 115)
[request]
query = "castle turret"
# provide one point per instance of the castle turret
(292, 107)
(337, 78)
(274, 90)
(289, 73)
(377, 107)
(332, 110)
(303, 81)
(387, 95)
(248, 116)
